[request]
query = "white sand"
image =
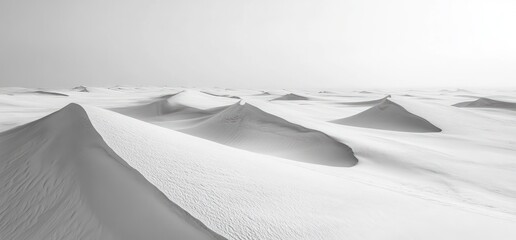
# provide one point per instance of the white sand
(90, 173)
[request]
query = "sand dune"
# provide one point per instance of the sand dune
(90, 173)
(263, 93)
(487, 103)
(248, 127)
(164, 109)
(389, 116)
(80, 89)
(178, 106)
(56, 185)
(200, 100)
(366, 103)
(290, 97)
(457, 90)
(250, 196)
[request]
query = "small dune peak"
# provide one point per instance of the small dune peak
(71, 110)
(80, 89)
(386, 103)
(485, 102)
(71, 117)
(388, 115)
(290, 97)
(239, 110)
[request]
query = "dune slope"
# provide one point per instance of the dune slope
(248, 127)
(389, 116)
(60, 180)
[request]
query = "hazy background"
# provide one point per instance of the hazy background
(260, 43)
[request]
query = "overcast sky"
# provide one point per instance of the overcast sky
(258, 43)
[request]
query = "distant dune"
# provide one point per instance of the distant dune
(263, 93)
(80, 89)
(290, 97)
(487, 103)
(388, 115)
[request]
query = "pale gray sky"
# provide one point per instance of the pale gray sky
(259, 43)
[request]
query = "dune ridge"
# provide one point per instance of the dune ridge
(389, 115)
(221, 95)
(56, 185)
(245, 126)
(51, 93)
(366, 103)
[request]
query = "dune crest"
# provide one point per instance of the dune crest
(247, 127)
(367, 103)
(487, 103)
(221, 95)
(56, 185)
(290, 97)
(389, 116)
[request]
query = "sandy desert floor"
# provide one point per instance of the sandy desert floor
(188, 163)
